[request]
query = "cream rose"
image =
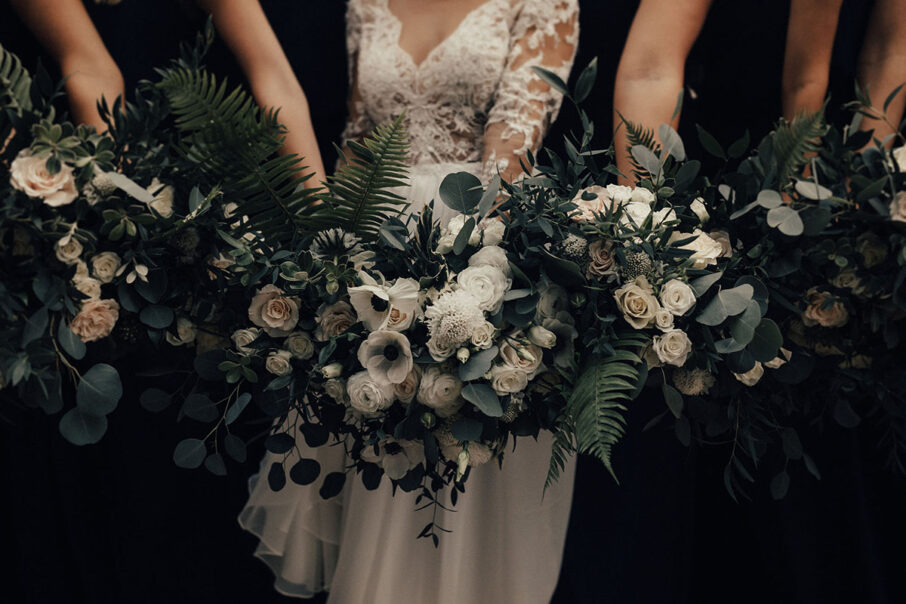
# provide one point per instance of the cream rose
(278, 362)
(663, 319)
(88, 286)
(243, 338)
(824, 312)
(508, 380)
(105, 265)
(487, 284)
(871, 248)
(600, 259)
(526, 358)
(333, 320)
(30, 175)
(441, 349)
(672, 348)
(634, 214)
(95, 320)
(752, 376)
(272, 311)
(780, 360)
(899, 154)
(641, 195)
(898, 207)
(698, 208)
(483, 336)
(336, 390)
(440, 391)
(677, 297)
(705, 251)
(332, 371)
(637, 303)
(68, 249)
(551, 300)
(185, 333)
(726, 246)
(620, 193)
(492, 231)
(163, 198)
(491, 255)
(367, 396)
(299, 344)
(406, 390)
(542, 337)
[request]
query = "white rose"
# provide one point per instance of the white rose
(406, 390)
(663, 215)
(698, 207)
(508, 380)
(552, 300)
(723, 238)
(441, 349)
(185, 333)
(333, 320)
(898, 207)
(29, 174)
(68, 249)
(299, 344)
(492, 231)
(899, 154)
(336, 390)
(634, 214)
(673, 347)
(275, 313)
(637, 303)
(242, 339)
(88, 286)
(663, 319)
(483, 336)
(163, 198)
(367, 396)
(541, 337)
(331, 371)
(705, 251)
(491, 255)
(752, 376)
(642, 195)
(105, 265)
(677, 297)
(449, 234)
(526, 358)
(620, 194)
(487, 284)
(440, 391)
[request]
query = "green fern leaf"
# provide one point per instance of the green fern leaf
(794, 141)
(563, 447)
(15, 83)
(360, 196)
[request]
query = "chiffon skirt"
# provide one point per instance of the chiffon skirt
(507, 535)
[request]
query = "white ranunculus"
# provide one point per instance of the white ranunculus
(30, 175)
(752, 376)
(551, 300)
(677, 297)
(705, 251)
(483, 336)
(278, 362)
(642, 195)
(620, 193)
(637, 303)
(88, 286)
(507, 380)
(492, 231)
(487, 284)
(185, 333)
(491, 255)
(385, 306)
(104, 266)
(451, 231)
(440, 391)
(542, 337)
(299, 344)
(387, 356)
(243, 338)
(163, 198)
(368, 396)
(663, 319)
(698, 208)
(673, 347)
(898, 207)
(336, 390)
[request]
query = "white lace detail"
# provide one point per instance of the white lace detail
(475, 96)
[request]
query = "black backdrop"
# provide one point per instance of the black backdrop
(118, 523)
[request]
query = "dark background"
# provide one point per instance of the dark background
(119, 523)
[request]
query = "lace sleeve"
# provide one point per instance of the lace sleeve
(544, 33)
(358, 124)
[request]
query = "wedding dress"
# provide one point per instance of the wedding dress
(474, 104)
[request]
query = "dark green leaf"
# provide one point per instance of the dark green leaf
(154, 400)
(780, 484)
(237, 407)
(674, 399)
(845, 415)
(462, 238)
(235, 447)
(477, 365)
(276, 476)
(709, 143)
(215, 465)
(190, 453)
(99, 391)
(81, 428)
(35, 326)
(333, 485)
(766, 341)
(483, 397)
(156, 316)
(466, 429)
(305, 471)
(279, 443)
(461, 191)
(70, 342)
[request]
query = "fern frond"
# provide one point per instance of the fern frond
(360, 195)
(600, 395)
(563, 447)
(637, 134)
(234, 144)
(794, 141)
(15, 83)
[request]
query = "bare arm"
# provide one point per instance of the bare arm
(64, 28)
(650, 75)
(807, 59)
(882, 64)
(246, 30)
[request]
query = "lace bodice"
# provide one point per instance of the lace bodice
(474, 97)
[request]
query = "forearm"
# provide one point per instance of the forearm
(807, 57)
(246, 30)
(882, 66)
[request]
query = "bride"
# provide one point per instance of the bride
(461, 71)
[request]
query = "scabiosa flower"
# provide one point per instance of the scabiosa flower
(453, 317)
(693, 382)
(574, 248)
(334, 243)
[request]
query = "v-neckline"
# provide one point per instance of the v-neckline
(439, 45)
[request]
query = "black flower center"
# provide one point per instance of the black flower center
(378, 303)
(391, 352)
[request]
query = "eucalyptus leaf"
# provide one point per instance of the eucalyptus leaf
(478, 364)
(812, 190)
(483, 397)
(82, 428)
(671, 143)
(766, 341)
(673, 398)
(467, 429)
(69, 342)
(99, 390)
(786, 220)
(190, 453)
(461, 191)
